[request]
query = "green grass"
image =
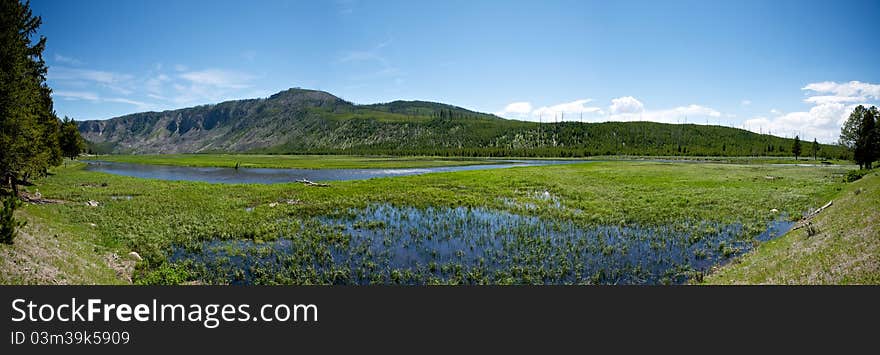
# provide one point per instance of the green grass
(845, 248)
(733, 160)
(163, 213)
(289, 161)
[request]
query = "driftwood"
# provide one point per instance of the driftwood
(312, 183)
(804, 221)
(36, 198)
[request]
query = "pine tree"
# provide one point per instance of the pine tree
(867, 145)
(29, 129)
(796, 147)
(72, 144)
(815, 148)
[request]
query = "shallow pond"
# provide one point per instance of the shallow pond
(272, 176)
(384, 244)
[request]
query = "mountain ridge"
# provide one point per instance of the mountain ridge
(299, 121)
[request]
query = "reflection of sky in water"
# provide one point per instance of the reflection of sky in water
(438, 243)
(271, 176)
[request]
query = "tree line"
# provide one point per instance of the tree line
(32, 137)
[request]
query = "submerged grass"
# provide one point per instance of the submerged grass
(155, 216)
(384, 244)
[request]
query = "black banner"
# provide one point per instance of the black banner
(51, 319)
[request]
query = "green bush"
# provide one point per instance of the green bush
(854, 175)
(8, 223)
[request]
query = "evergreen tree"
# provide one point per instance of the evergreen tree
(29, 129)
(867, 144)
(849, 133)
(796, 147)
(72, 144)
(815, 148)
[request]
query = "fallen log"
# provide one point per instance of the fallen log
(36, 198)
(804, 221)
(312, 183)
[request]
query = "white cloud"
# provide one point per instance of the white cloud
(515, 109)
(576, 107)
(745, 102)
(850, 89)
(775, 111)
(832, 103)
(180, 67)
(819, 100)
(625, 108)
(569, 111)
(681, 114)
(821, 122)
(625, 105)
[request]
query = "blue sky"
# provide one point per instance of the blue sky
(788, 67)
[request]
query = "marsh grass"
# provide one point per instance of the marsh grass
(385, 244)
(164, 214)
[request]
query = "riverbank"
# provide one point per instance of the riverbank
(841, 247)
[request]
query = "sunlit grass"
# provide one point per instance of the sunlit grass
(162, 214)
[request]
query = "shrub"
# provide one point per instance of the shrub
(854, 175)
(8, 223)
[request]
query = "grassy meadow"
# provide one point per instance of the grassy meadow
(298, 234)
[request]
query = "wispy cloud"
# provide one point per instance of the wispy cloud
(153, 90)
(67, 60)
(76, 95)
(95, 97)
(371, 64)
(222, 79)
(97, 76)
(346, 7)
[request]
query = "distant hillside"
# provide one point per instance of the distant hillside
(299, 121)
